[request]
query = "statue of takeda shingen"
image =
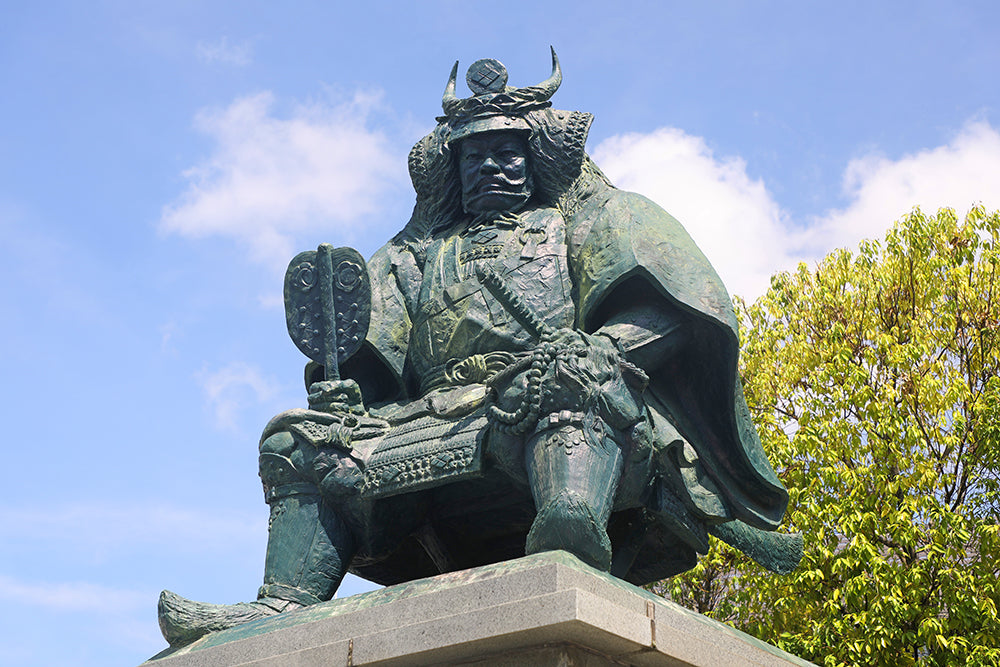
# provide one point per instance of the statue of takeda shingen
(536, 361)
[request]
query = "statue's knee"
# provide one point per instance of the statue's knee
(281, 443)
(276, 461)
(285, 461)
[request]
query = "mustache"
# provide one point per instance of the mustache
(495, 179)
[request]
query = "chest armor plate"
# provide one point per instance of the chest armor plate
(457, 317)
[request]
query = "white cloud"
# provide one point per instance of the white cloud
(269, 178)
(232, 387)
(732, 218)
(225, 52)
(324, 168)
(744, 231)
(959, 174)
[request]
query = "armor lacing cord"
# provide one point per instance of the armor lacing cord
(560, 418)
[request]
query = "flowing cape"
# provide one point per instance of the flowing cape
(622, 236)
(613, 237)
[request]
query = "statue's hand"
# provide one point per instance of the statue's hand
(565, 337)
(336, 396)
(592, 372)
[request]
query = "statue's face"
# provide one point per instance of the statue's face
(494, 170)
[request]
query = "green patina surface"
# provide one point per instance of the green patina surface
(537, 361)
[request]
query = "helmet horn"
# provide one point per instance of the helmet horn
(449, 101)
(546, 89)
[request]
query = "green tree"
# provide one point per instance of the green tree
(875, 386)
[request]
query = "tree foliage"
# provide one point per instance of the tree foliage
(875, 386)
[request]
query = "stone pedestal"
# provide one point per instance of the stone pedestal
(547, 609)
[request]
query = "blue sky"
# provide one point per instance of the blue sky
(161, 162)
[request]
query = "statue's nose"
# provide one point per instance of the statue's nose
(489, 166)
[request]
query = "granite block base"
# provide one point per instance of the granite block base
(546, 609)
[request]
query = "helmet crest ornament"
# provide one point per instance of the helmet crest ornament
(494, 105)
